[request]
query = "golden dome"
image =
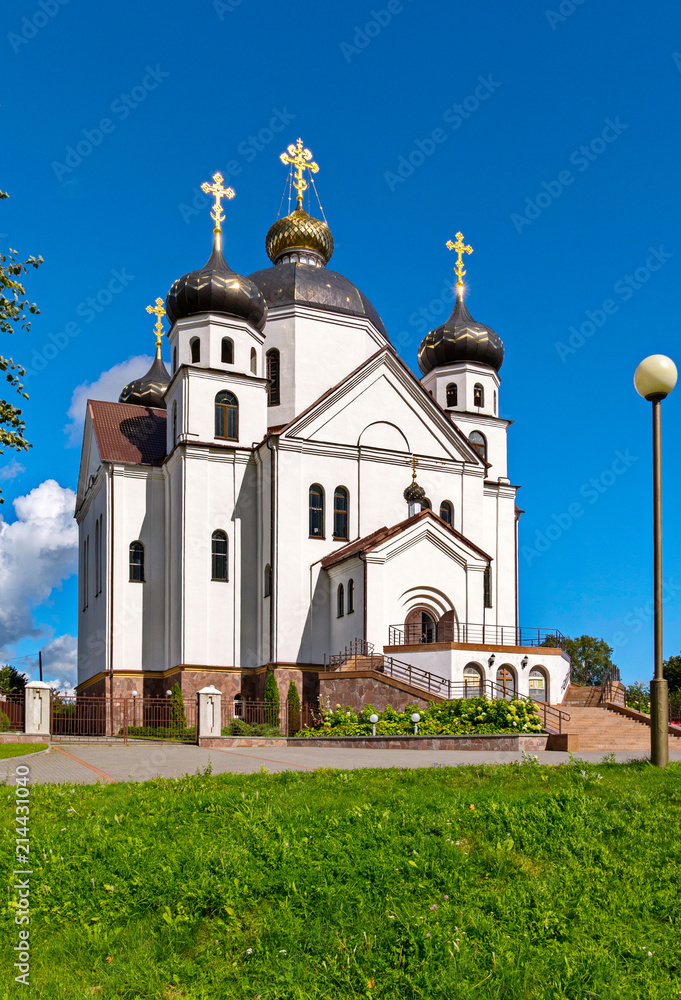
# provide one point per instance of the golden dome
(299, 231)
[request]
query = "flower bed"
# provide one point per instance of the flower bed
(462, 717)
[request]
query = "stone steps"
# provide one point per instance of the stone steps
(601, 729)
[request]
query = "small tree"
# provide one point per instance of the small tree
(590, 659)
(271, 700)
(11, 681)
(293, 709)
(177, 713)
(671, 669)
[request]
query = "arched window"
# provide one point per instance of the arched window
(136, 562)
(488, 586)
(479, 442)
(195, 348)
(268, 581)
(272, 362)
(219, 555)
(340, 601)
(174, 360)
(238, 706)
(254, 361)
(227, 416)
(452, 394)
(538, 684)
(174, 421)
(227, 351)
(472, 681)
(340, 513)
(506, 680)
(447, 512)
(351, 596)
(425, 503)
(478, 395)
(316, 500)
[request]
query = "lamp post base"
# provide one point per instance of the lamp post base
(659, 722)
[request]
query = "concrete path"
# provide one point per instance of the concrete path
(88, 763)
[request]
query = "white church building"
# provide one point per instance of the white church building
(289, 486)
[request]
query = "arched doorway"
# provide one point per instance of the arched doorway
(447, 628)
(506, 680)
(419, 626)
(539, 684)
(472, 681)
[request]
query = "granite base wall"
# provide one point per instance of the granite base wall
(365, 688)
(531, 744)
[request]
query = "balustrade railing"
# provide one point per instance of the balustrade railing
(464, 632)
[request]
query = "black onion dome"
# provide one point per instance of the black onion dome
(216, 288)
(414, 493)
(150, 389)
(461, 339)
(305, 284)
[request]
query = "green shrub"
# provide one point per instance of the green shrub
(293, 709)
(4, 722)
(177, 711)
(271, 700)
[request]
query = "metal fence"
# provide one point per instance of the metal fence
(414, 634)
(261, 718)
(12, 712)
(123, 716)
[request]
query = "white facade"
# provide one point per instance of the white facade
(351, 415)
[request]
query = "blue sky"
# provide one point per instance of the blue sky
(547, 132)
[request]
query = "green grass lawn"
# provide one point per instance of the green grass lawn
(19, 749)
(513, 882)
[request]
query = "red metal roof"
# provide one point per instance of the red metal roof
(129, 433)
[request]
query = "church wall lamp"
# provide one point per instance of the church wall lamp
(525, 660)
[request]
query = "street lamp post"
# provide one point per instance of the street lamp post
(654, 379)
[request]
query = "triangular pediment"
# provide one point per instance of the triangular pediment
(90, 459)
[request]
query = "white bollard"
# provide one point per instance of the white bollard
(210, 712)
(37, 708)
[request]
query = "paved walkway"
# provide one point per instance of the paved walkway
(88, 763)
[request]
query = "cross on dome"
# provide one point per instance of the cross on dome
(458, 267)
(301, 159)
(158, 309)
(217, 212)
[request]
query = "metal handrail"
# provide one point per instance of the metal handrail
(469, 632)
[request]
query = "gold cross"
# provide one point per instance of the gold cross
(219, 192)
(460, 251)
(158, 310)
(301, 159)
(413, 468)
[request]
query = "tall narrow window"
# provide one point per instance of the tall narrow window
(495, 402)
(478, 395)
(96, 557)
(84, 571)
(268, 581)
(351, 596)
(195, 347)
(101, 549)
(340, 601)
(219, 555)
(174, 421)
(340, 513)
(316, 504)
(272, 359)
(227, 416)
(174, 360)
(136, 562)
(479, 442)
(254, 362)
(447, 512)
(227, 351)
(452, 394)
(488, 587)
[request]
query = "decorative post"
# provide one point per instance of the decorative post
(209, 720)
(37, 708)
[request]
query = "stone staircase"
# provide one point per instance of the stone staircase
(602, 729)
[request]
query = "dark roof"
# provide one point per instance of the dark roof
(461, 338)
(126, 432)
(376, 538)
(149, 390)
(305, 284)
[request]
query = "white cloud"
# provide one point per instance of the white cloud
(38, 552)
(107, 387)
(12, 470)
(60, 663)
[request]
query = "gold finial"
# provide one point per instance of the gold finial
(217, 214)
(458, 267)
(158, 310)
(302, 160)
(413, 468)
